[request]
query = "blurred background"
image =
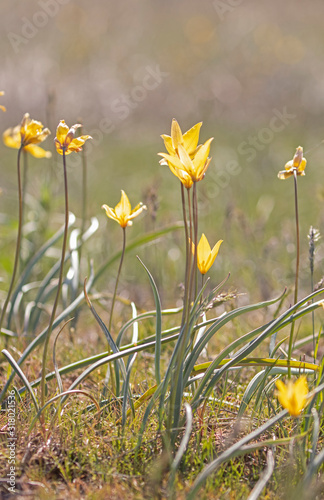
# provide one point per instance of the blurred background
(251, 70)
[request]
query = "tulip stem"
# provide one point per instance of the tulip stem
(291, 337)
(194, 275)
(59, 285)
(191, 246)
(18, 243)
(195, 215)
(117, 279)
(187, 270)
(24, 185)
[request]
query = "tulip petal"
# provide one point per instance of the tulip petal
(11, 137)
(110, 212)
(302, 166)
(186, 161)
(177, 168)
(168, 144)
(200, 159)
(191, 138)
(284, 174)
(203, 254)
(123, 208)
(61, 131)
(37, 151)
(176, 134)
(215, 251)
(137, 211)
(293, 396)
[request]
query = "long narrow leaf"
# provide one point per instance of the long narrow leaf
(158, 323)
(265, 476)
(182, 448)
(21, 374)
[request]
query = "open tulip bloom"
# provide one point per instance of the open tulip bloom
(123, 213)
(28, 135)
(186, 159)
(298, 164)
(189, 140)
(65, 140)
(293, 396)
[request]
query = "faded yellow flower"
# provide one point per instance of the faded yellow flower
(293, 396)
(65, 140)
(185, 158)
(123, 213)
(298, 164)
(205, 255)
(2, 107)
(27, 135)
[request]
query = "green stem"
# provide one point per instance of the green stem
(117, 279)
(24, 190)
(18, 243)
(291, 337)
(194, 275)
(202, 284)
(187, 270)
(190, 248)
(311, 262)
(59, 285)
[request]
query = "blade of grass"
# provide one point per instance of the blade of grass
(126, 389)
(56, 369)
(21, 374)
(158, 323)
(181, 450)
(264, 478)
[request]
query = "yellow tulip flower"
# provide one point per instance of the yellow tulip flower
(28, 135)
(205, 255)
(2, 107)
(123, 213)
(293, 396)
(186, 159)
(298, 164)
(189, 140)
(65, 140)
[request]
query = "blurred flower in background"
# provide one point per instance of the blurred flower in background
(28, 135)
